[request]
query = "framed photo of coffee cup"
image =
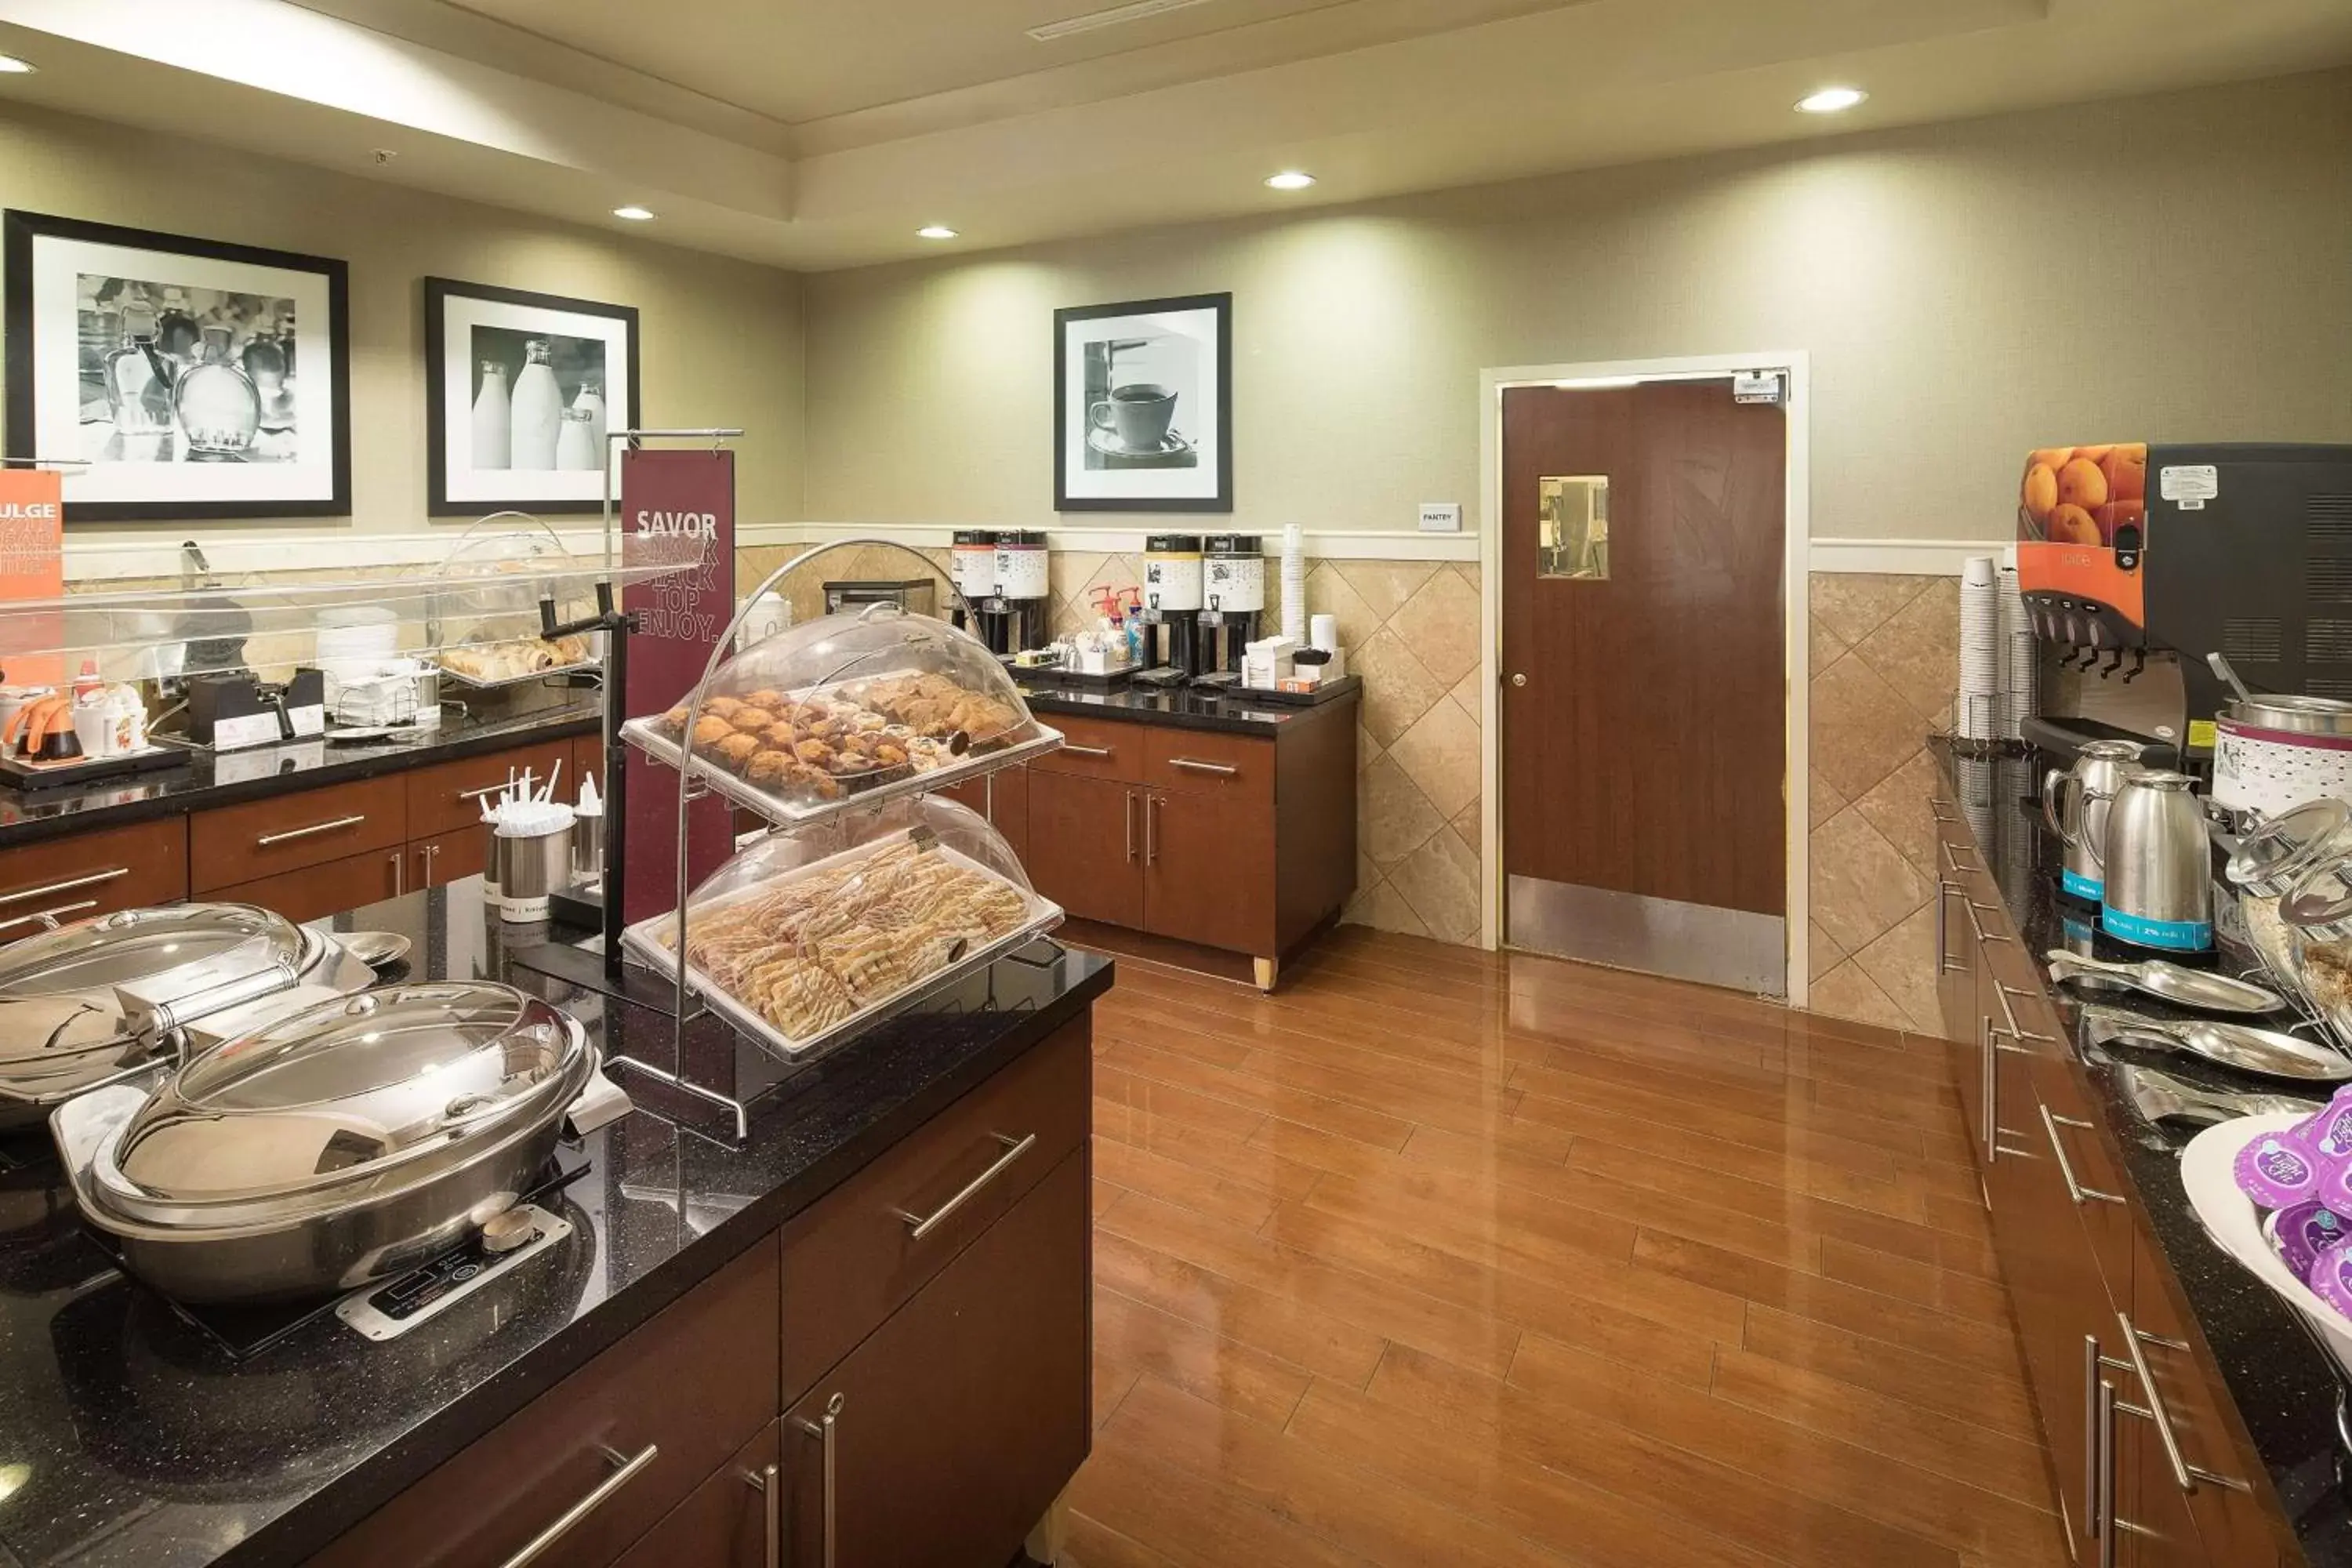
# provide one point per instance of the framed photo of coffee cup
(521, 391)
(183, 379)
(1143, 417)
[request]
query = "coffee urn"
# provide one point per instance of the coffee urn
(1233, 604)
(1172, 590)
(1017, 612)
(973, 557)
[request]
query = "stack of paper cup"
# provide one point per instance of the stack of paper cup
(2016, 658)
(1979, 717)
(1294, 583)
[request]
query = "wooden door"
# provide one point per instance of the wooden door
(724, 1522)
(446, 857)
(1086, 845)
(1642, 701)
(956, 1424)
(1208, 869)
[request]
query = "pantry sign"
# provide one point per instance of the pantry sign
(677, 505)
(32, 572)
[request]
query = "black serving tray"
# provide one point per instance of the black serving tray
(161, 753)
(1330, 691)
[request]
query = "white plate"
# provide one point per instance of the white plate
(2235, 1221)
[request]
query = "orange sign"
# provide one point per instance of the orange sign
(32, 572)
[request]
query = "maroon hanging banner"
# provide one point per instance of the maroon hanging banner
(675, 504)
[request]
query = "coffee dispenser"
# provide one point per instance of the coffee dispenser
(1017, 612)
(972, 558)
(1233, 568)
(2133, 558)
(1172, 590)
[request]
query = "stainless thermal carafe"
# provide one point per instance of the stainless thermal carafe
(2074, 803)
(2156, 865)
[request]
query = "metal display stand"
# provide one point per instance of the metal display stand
(691, 788)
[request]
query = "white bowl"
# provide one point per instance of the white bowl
(2235, 1221)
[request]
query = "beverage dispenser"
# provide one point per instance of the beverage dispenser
(1233, 604)
(1018, 610)
(2134, 559)
(972, 556)
(1173, 592)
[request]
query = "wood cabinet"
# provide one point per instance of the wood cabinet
(728, 1520)
(2114, 1364)
(946, 1436)
(1002, 798)
(67, 880)
(329, 887)
(447, 796)
(235, 845)
(1242, 843)
(446, 857)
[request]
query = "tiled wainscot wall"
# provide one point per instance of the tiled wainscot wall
(1884, 656)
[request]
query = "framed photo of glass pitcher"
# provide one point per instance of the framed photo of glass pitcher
(182, 378)
(1143, 414)
(520, 390)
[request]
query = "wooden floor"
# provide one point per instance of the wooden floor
(1442, 1257)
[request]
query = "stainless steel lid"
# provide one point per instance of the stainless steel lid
(328, 1104)
(2276, 855)
(2321, 902)
(2296, 715)
(132, 946)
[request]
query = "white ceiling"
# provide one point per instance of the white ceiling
(815, 133)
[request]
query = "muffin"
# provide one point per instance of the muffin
(738, 750)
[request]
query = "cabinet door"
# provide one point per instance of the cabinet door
(1086, 845)
(1208, 871)
(88, 874)
(327, 890)
(944, 1437)
(727, 1520)
(1003, 797)
(282, 833)
(446, 857)
(448, 795)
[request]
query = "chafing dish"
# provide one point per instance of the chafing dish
(335, 1147)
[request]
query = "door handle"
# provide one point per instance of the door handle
(922, 1226)
(1944, 963)
(771, 1488)
(568, 1520)
(1517, 679)
(2184, 1475)
(269, 839)
(49, 917)
(1983, 935)
(1151, 840)
(1220, 768)
(67, 885)
(2074, 1189)
(1126, 821)
(1077, 751)
(485, 789)
(822, 1432)
(399, 872)
(2016, 1031)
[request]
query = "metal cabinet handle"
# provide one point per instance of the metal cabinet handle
(485, 789)
(1077, 751)
(2093, 1359)
(822, 1433)
(1220, 768)
(1150, 837)
(399, 872)
(568, 1520)
(771, 1488)
(1944, 963)
(923, 1225)
(268, 838)
(1976, 908)
(1952, 856)
(2103, 1497)
(2015, 1028)
(2184, 1475)
(67, 885)
(1126, 821)
(1935, 800)
(2074, 1189)
(49, 917)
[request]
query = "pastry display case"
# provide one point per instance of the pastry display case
(848, 708)
(816, 931)
(480, 635)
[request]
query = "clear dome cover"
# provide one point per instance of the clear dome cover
(849, 706)
(815, 928)
(485, 622)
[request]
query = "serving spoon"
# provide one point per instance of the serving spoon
(2188, 987)
(2267, 1052)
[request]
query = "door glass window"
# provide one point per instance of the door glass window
(1572, 528)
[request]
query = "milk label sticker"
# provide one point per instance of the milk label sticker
(2189, 485)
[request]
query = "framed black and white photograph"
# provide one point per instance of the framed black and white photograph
(185, 378)
(1143, 405)
(520, 390)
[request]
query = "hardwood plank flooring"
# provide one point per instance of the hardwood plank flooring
(1439, 1257)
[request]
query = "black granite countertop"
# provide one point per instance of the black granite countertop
(2286, 1388)
(129, 1436)
(208, 779)
(1183, 707)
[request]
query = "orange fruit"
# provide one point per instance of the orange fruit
(2126, 474)
(2041, 491)
(2081, 483)
(2051, 457)
(2071, 524)
(2097, 454)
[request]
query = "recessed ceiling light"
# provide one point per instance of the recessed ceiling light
(634, 213)
(1290, 180)
(1830, 100)
(11, 66)
(935, 231)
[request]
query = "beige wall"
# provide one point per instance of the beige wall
(2157, 267)
(720, 340)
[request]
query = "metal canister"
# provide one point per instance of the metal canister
(2157, 862)
(1235, 571)
(2074, 804)
(1172, 573)
(974, 555)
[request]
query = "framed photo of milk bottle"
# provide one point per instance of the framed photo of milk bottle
(1143, 414)
(520, 390)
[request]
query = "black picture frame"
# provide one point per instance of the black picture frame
(21, 231)
(438, 293)
(1222, 500)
